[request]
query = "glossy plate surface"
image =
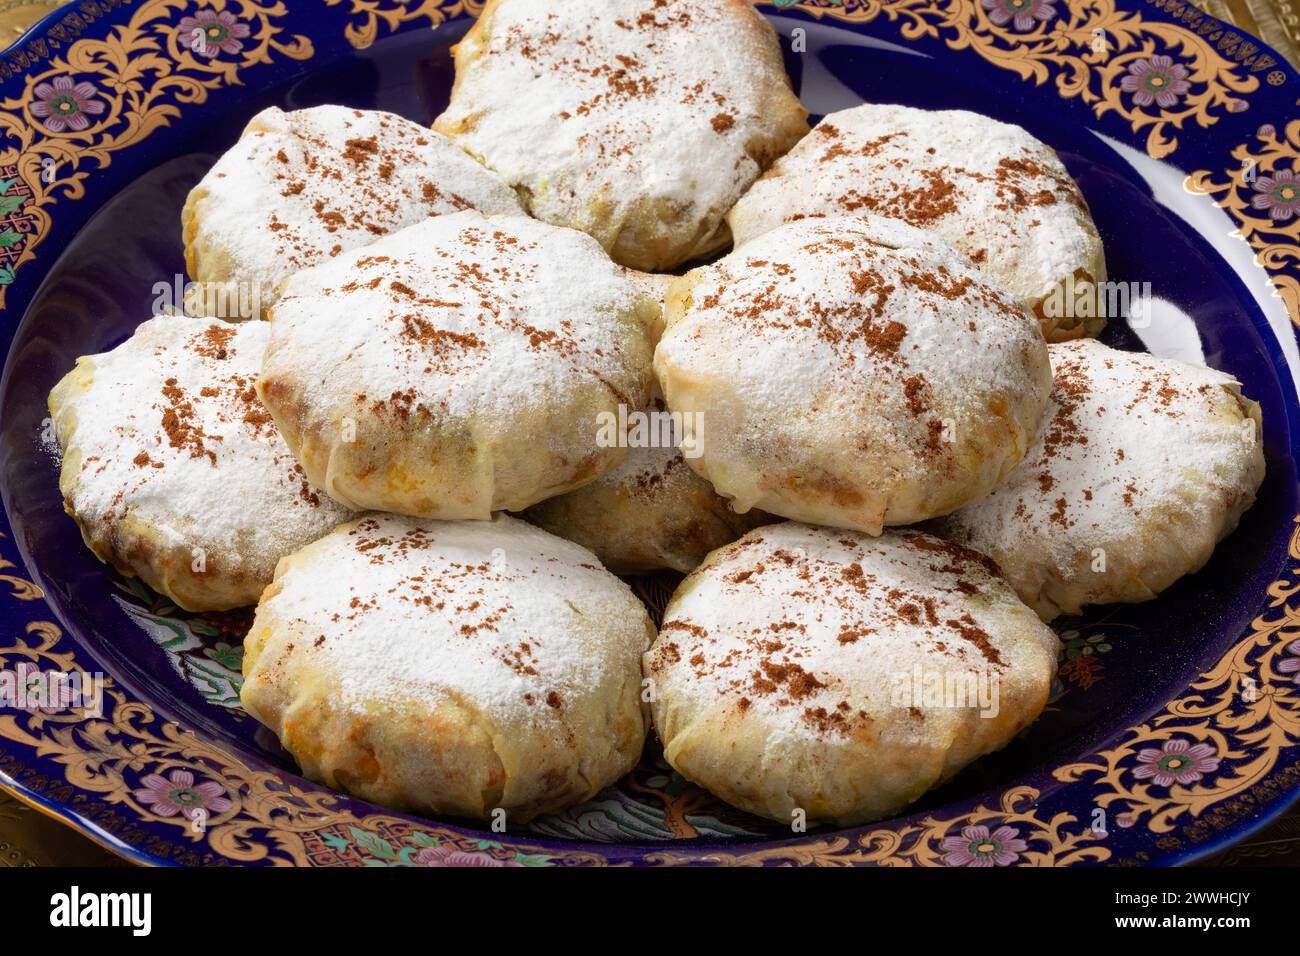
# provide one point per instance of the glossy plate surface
(1175, 725)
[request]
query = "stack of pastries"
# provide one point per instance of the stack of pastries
(450, 320)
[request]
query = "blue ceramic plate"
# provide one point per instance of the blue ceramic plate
(1175, 725)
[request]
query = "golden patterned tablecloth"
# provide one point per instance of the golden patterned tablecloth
(29, 838)
(1277, 22)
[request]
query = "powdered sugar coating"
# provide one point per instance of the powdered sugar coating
(497, 340)
(853, 372)
(989, 188)
(638, 121)
(165, 437)
(451, 667)
(1142, 465)
(497, 612)
(781, 656)
(304, 186)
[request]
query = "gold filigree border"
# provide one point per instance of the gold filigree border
(368, 16)
(1249, 191)
(1031, 840)
(138, 79)
(1087, 49)
(1243, 714)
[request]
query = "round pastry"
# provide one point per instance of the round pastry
(989, 188)
(457, 367)
(851, 372)
(650, 512)
(301, 187)
(173, 468)
(1142, 466)
(451, 667)
(829, 672)
(640, 122)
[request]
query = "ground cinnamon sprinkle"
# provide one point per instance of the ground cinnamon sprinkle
(837, 720)
(419, 331)
(360, 150)
(920, 206)
(885, 340)
(914, 388)
(213, 341)
(801, 630)
(180, 425)
(940, 282)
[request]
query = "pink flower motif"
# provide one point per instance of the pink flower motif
(179, 794)
(1156, 80)
(1176, 762)
(1021, 14)
(452, 856)
(1280, 195)
(208, 32)
(978, 847)
(62, 104)
(1291, 664)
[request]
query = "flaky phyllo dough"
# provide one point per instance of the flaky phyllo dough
(852, 372)
(990, 189)
(1141, 467)
(636, 121)
(301, 187)
(481, 669)
(796, 669)
(458, 367)
(174, 469)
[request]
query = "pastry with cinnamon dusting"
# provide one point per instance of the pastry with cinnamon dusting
(650, 512)
(852, 372)
(640, 122)
(302, 187)
(1142, 466)
(458, 367)
(990, 189)
(451, 667)
(173, 468)
(829, 672)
